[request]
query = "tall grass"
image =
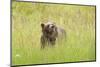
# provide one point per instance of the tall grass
(78, 21)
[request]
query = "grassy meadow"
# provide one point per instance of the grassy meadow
(78, 21)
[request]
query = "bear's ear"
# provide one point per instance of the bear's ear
(42, 25)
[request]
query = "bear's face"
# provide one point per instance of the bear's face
(48, 29)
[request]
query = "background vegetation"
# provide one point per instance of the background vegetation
(78, 21)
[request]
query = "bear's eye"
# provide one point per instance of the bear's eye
(52, 26)
(47, 26)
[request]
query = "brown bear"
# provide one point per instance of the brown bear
(50, 33)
